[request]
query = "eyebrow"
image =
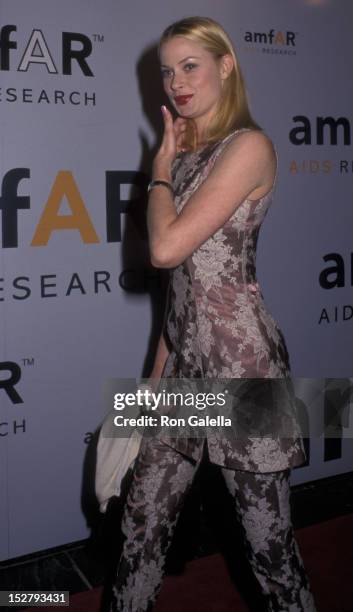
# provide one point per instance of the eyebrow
(183, 60)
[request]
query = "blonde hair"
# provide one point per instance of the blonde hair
(233, 109)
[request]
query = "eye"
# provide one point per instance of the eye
(165, 73)
(190, 66)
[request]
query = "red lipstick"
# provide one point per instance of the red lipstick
(181, 100)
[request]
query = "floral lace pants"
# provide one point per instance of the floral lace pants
(161, 480)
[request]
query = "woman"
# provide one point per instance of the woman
(213, 179)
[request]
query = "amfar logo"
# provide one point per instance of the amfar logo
(8, 384)
(66, 189)
(339, 274)
(284, 39)
(336, 275)
(309, 132)
(37, 51)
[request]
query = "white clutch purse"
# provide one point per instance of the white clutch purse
(114, 457)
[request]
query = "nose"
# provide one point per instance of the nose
(176, 82)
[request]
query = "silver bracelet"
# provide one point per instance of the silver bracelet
(160, 182)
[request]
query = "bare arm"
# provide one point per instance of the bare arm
(244, 165)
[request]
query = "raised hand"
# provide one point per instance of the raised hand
(172, 143)
(179, 130)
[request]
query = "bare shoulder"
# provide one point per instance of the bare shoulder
(251, 142)
(252, 150)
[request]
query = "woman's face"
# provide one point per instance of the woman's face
(192, 79)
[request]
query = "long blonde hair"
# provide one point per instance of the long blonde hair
(233, 109)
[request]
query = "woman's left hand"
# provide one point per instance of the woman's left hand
(170, 146)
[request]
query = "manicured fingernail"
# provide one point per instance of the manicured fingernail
(163, 108)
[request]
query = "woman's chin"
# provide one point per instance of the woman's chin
(184, 113)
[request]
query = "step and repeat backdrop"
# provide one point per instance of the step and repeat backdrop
(80, 97)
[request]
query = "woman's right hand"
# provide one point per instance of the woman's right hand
(172, 143)
(180, 125)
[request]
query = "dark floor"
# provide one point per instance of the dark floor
(81, 566)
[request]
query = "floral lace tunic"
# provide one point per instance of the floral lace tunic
(217, 322)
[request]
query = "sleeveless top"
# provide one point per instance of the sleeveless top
(217, 321)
